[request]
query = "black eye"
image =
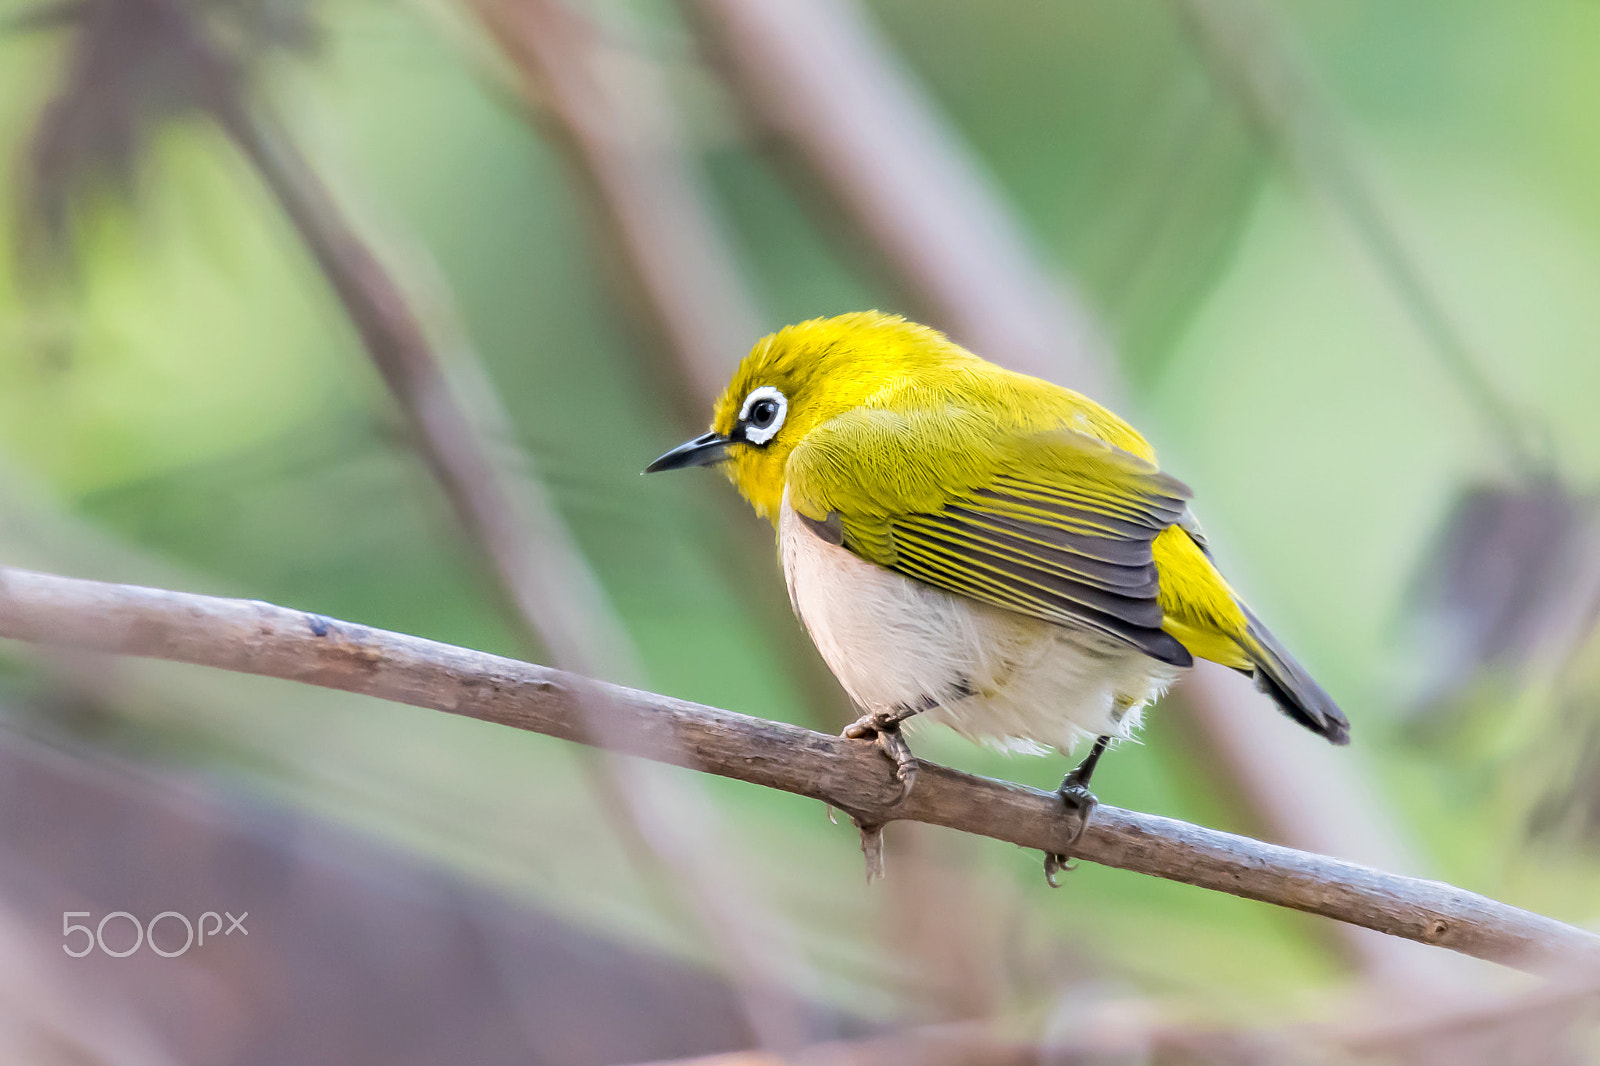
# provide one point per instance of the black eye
(762, 414)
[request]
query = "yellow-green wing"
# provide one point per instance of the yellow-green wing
(1055, 524)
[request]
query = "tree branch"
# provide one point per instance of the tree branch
(259, 638)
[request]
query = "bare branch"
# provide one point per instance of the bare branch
(554, 592)
(259, 638)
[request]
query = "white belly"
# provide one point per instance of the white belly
(894, 642)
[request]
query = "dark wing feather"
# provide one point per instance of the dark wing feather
(1052, 524)
(1106, 581)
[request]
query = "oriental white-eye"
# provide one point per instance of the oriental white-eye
(979, 547)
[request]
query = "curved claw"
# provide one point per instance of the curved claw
(1079, 801)
(1054, 864)
(885, 729)
(905, 764)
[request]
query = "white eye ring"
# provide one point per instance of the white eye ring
(762, 434)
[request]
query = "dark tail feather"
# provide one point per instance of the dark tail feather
(1291, 688)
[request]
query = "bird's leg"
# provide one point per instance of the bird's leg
(1074, 788)
(1074, 792)
(884, 726)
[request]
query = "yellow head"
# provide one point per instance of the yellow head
(800, 377)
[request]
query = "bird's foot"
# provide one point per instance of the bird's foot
(884, 726)
(1054, 864)
(1080, 803)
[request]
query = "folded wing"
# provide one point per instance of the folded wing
(1052, 524)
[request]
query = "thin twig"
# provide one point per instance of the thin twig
(554, 591)
(259, 638)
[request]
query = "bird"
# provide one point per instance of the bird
(974, 546)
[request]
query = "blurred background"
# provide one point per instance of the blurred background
(378, 310)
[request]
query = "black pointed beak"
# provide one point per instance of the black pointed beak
(704, 450)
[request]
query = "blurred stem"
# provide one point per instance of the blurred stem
(44, 16)
(520, 537)
(1206, 180)
(611, 116)
(815, 75)
(553, 593)
(1251, 55)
